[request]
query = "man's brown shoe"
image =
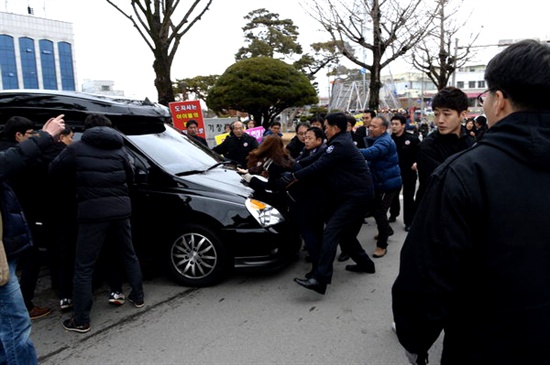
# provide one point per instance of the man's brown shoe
(37, 312)
(379, 252)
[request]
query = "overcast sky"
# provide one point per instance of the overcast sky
(107, 47)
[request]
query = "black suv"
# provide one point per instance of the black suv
(190, 209)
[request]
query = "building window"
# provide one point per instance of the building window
(28, 63)
(66, 66)
(481, 84)
(8, 66)
(460, 84)
(471, 84)
(105, 88)
(49, 76)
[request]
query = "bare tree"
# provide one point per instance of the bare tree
(434, 55)
(157, 23)
(394, 27)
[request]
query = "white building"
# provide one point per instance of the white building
(105, 87)
(36, 53)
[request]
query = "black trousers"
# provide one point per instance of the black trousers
(91, 237)
(382, 202)
(343, 224)
(409, 207)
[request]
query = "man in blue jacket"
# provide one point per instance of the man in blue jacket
(384, 165)
(16, 346)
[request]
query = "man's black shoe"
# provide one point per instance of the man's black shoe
(390, 232)
(312, 284)
(71, 325)
(392, 219)
(343, 257)
(309, 274)
(360, 268)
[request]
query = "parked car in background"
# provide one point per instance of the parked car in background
(191, 213)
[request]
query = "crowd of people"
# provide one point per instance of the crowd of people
(476, 260)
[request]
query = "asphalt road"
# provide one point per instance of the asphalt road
(247, 319)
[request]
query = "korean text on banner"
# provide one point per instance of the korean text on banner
(184, 111)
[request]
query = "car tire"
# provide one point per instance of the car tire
(197, 257)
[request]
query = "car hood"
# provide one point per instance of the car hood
(220, 180)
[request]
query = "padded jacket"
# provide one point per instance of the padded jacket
(100, 168)
(476, 262)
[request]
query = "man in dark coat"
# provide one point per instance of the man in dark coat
(192, 127)
(296, 144)
(237, 145)
(35, 207)
(407, 145)
(476, 262)
(450, 106)
(99, 166)
(16, 346)
(349, 192)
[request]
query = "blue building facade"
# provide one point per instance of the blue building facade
(36, 53)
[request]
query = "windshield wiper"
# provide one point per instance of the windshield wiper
(193, 172)
(224, 162)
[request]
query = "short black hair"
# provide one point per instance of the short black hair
(191, 122)
(317, 131)
(522, 73)
(400, 117)
(97, 120)
(317, 118)
(338, 119)
(16, 124)
(481, 120)
(451, 98)
(371, 112)
(274, 123)
(68, 130)
(302, 124)
(351, 119)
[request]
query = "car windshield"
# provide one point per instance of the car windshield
(174, 152)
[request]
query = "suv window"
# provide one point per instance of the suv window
(174, 152)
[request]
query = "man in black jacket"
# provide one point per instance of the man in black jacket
(450, 106)
(349, 193)
(16, 130)
(407, 145)
(16, 346)
(99, 166)
(296, 144)
(477, 265)
(192, 128)
(237, 145)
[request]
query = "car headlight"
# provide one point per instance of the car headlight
(264, 213)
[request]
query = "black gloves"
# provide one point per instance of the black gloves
(286, 179)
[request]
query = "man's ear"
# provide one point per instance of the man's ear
(18, 136)
(502, 105)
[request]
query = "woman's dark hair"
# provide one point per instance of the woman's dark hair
(271, 147)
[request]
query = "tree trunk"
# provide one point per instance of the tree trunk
(163, 82)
